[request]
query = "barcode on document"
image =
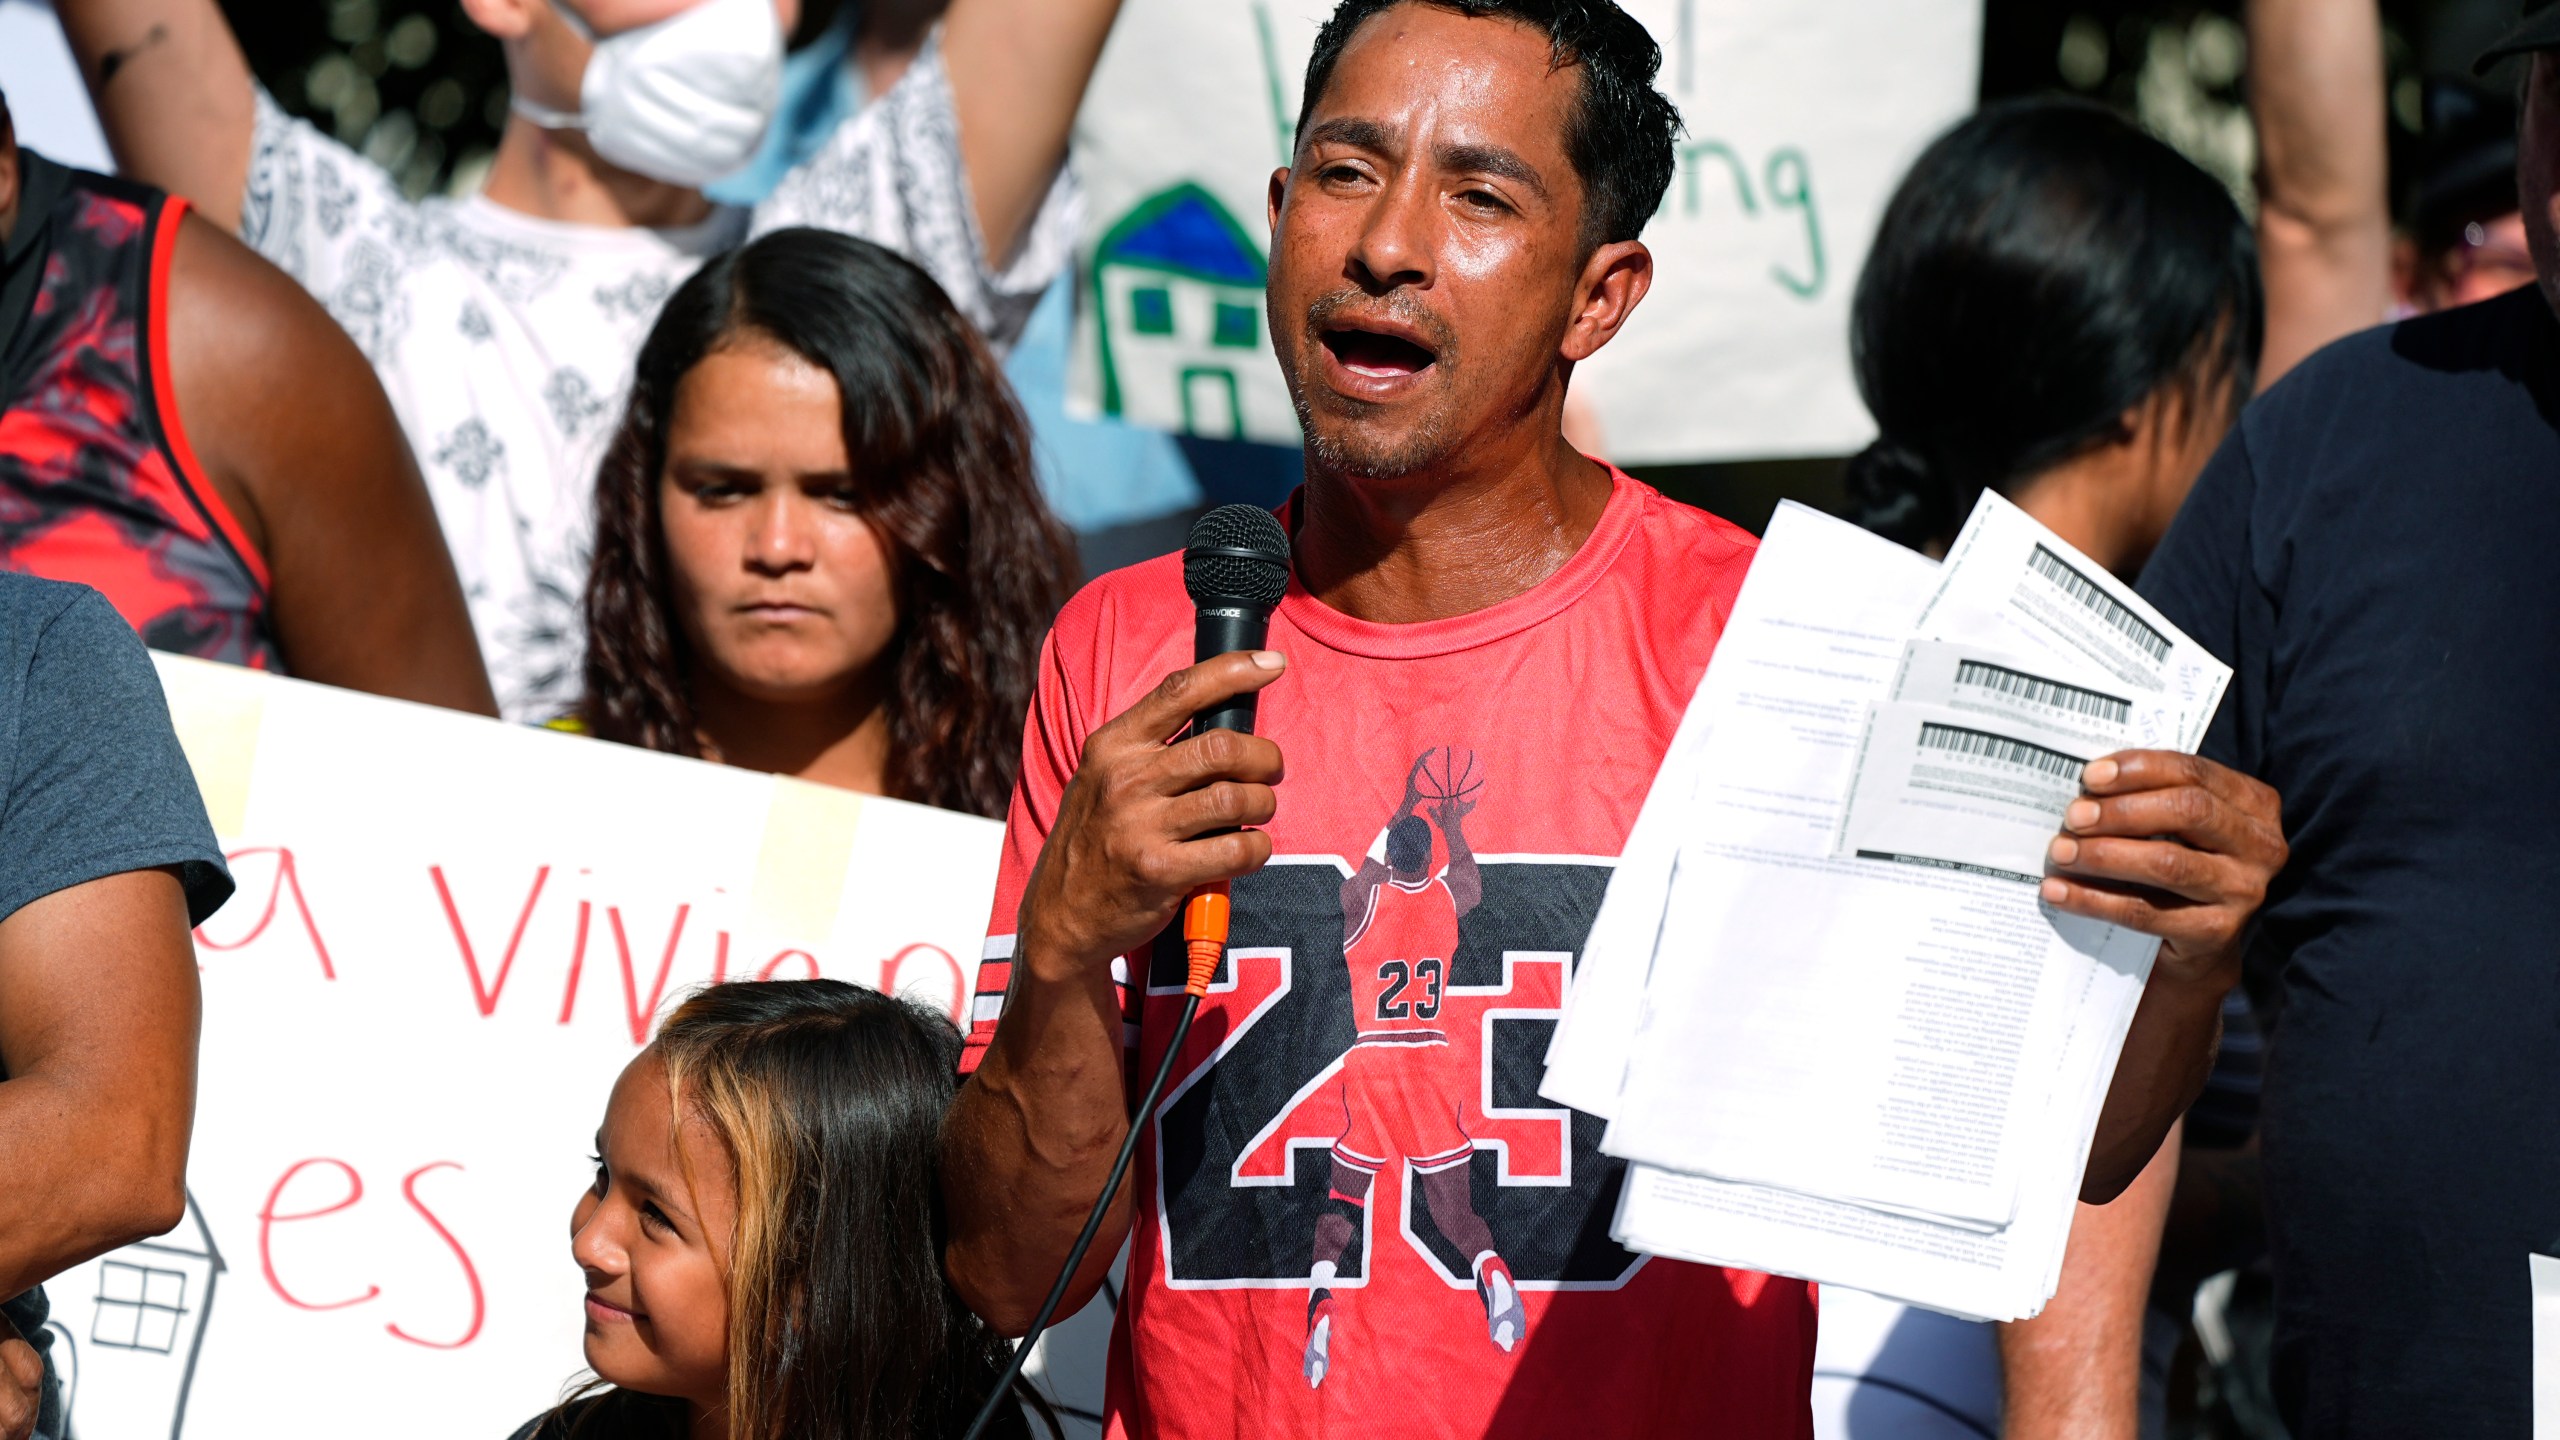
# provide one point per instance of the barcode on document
(1956, 740)
(2022, 686)
(2081, 588)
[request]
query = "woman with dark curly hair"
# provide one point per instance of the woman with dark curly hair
(820, 549)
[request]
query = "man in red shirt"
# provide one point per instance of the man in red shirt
(1456, 231)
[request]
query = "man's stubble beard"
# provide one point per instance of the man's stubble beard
(1346, 454)
(1354, 456)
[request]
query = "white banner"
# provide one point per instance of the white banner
(1801, 116)
(449, 937)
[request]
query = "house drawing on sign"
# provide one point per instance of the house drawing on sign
(128, 1327)
(1177, 295)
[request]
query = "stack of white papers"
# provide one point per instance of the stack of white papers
(1831, 1024)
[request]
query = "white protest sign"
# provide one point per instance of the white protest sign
(449, 936)
(2544, 1272)
(1801, 115)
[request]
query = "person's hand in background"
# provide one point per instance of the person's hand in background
(21, 1384)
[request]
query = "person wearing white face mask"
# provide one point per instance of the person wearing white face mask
(504, 324)
(685, 99)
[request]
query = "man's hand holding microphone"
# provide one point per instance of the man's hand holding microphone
(1152, 817)
(1146, 823)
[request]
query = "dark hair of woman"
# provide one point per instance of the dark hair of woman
(829, 1100)
(2045, 269)
(942, 465)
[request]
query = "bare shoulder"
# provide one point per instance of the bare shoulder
(228, 304)
(273, 395)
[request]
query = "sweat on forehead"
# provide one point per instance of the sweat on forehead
(1620, 129)
(1349, 15)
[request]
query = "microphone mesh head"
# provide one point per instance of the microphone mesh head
(1238, 555)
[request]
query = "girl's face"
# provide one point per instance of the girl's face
(653, 1235)
(782, 589)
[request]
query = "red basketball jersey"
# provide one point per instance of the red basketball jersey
(1566, 698)
(1399, 956)
(98, 483)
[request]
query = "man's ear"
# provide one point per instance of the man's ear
(1279, 192)
(1613, 282)
(504, 19)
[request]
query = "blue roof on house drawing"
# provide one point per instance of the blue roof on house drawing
(1186, 231)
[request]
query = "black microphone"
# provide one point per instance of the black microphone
(1236, 567)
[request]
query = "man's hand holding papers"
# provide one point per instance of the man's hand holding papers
(2172, 845)
(2181, 848)
(1856, 1012)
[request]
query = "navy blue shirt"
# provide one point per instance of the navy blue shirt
(2376, 552)
(95, 784)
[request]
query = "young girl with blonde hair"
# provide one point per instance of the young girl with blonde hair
(762, 1244)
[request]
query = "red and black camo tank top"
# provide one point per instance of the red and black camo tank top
(97, 482)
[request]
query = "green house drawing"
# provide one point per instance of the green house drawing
(1177, 293)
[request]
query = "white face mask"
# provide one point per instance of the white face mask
(685, 100)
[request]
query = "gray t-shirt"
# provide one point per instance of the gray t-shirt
(96, 783)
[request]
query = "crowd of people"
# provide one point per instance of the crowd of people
(686, 437)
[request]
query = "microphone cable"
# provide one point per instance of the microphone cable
(1204, 934)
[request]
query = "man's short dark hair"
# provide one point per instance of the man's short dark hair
(1409, 846)
(1620, 136)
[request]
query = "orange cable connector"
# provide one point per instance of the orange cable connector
(1204, 935)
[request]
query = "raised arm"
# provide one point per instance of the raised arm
(1373, 869)
(1355, 891)
(173, 93)
(1018, 71)
(293, 429)
(1466, 882)
(2324, 212)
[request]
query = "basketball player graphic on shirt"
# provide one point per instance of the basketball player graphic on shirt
(1402, 1100)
